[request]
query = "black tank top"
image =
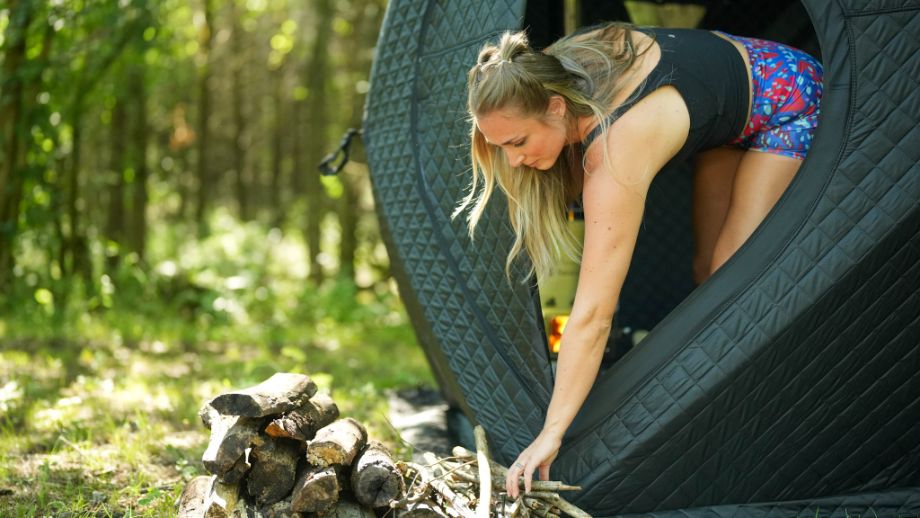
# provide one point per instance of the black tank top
(711, 77)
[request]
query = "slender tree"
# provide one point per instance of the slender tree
(115, 218)
(206, 41)
(316, 131)
(365, 19)
(136, 239)
(238, 64)
(11, 127)
(276, 204)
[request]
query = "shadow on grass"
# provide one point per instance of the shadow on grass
(98, 425)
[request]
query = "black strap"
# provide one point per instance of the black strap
(327, 167)
(655, 80)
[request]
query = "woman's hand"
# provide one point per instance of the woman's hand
(539, 455)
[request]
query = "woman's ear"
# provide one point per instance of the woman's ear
(556, 106)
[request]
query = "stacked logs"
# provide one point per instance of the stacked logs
(279, 450)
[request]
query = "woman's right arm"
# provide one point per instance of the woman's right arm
(639, 145)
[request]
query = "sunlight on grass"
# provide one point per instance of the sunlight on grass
(98, 404)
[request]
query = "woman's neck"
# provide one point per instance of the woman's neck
(580, 129)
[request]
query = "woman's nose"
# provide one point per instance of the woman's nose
(515, 159)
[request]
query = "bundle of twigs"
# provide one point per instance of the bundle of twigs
(471, 485)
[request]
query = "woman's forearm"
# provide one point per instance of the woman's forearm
(580, 355)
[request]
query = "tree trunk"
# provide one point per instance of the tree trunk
(275, 197)
(137, 235)
(239, 119)
(204, 114)
(114, 230)
(11, 108)
(316, 132)
(77, 247)
(350, 209)
(297, 150)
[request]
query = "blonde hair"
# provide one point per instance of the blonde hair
(586, 71)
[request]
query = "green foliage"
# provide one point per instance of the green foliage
(101, 394)
(107, 350)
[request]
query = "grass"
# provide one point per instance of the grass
(98, 412)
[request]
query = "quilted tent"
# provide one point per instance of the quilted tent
(786, 385)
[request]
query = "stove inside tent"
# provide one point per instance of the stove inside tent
(787, 383)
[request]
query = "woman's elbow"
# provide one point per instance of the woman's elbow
(593, 325)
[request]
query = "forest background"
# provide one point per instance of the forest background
(165, 236)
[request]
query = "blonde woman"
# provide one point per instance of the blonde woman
(595, 116)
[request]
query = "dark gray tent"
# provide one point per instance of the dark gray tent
(786, 385)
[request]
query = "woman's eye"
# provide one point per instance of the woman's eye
(519, 143)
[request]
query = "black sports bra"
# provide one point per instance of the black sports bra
(709, 74)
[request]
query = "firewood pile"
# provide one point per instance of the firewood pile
(279, 450)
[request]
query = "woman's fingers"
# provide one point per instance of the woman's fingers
(528, 476)
(512, 478)
(544, 472)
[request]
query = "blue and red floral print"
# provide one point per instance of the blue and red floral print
(787, 88)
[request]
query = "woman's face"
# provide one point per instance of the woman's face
(527, 141)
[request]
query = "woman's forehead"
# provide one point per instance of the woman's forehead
(500, 125)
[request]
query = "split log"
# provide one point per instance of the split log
(337, 443)
(205, 414)
(347, 509)
(190, 503)
(316, 490)
(222, 499)
(230, 436)
(302, 423)
(238, 471)
(423, 509)
(246, 508)
(274, 470)
(375, 480)
(281, 509)
(282, 392)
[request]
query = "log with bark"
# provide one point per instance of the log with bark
(316, 490)
(284, 454)
(302, 423)
(282, 392)
(375, 480)
(274, 469)
(337, 443)
(207, 497)
(230, 437)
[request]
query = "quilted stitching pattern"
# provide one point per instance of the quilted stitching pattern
(816, 358)
(835, 324)
(902, 503)
(416, 133)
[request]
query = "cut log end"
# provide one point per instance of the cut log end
(375, 479)
(317, 490)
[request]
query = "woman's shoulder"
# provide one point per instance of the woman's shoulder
(645, 138)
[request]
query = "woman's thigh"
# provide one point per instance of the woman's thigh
(759, 182)
(713, 177)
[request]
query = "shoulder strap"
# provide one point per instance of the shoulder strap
(654, 80)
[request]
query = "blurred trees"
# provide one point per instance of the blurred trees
(118, 117)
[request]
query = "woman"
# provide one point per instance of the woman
(595, 116)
